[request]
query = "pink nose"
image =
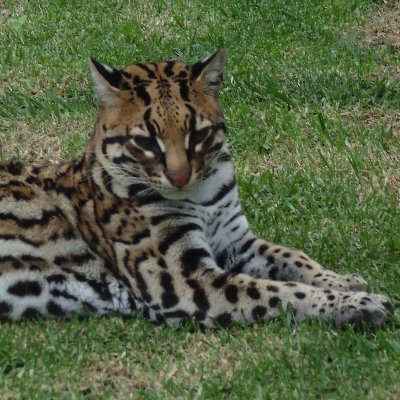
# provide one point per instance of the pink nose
(179, 178)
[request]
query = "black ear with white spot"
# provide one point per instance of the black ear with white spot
(210, 70)
(107, 82)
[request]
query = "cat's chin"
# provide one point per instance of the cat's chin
(178, 194)
(172, 193)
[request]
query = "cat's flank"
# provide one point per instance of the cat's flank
(149, 221)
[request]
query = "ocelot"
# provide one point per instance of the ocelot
(148, 220)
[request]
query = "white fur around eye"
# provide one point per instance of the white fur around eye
(114, 150)
(187, 137)
(198, 147)
(148, 154)
(202, 123)
(137, 131)
(161, 144)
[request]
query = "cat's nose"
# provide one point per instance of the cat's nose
(179, 178)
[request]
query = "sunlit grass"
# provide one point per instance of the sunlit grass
(312, 105)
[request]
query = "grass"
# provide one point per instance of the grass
(312, 102)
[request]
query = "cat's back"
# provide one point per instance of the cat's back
(30, 218)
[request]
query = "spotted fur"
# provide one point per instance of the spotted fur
(149, 221)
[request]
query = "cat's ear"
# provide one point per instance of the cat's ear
(107, 82)
(210, 70)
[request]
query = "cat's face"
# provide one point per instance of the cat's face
(160, 124)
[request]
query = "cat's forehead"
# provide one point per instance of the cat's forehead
(168, 94)
(157, 72)
(164, 85)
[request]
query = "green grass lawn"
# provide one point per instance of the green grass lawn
(312, 101)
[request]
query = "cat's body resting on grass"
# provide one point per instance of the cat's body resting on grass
(149, 220)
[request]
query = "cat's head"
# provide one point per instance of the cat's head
(160, 125)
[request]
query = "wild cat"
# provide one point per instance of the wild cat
(149, 221)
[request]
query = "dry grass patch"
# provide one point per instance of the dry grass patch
(5, 13)
(381, 32)
(383, 26)
(200, 358)
(391, 393)
(389, 120)
(47, 141)
(116, 374)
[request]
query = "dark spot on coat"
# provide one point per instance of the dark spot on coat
(274, 302)
(220, 281)
(253, 293)
(259, 312)
(224, 319)
(231, 293)
(25, 288)
(5, 307)
(30, 313)
(55, 309)
(273, 272)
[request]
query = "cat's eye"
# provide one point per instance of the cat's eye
(150, 145)
(147, 143)
(197, 137)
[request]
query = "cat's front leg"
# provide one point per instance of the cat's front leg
(262, 259)
(179, 279)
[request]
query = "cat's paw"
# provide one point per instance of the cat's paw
(341, 283)
(355, 283)
(362, 307)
